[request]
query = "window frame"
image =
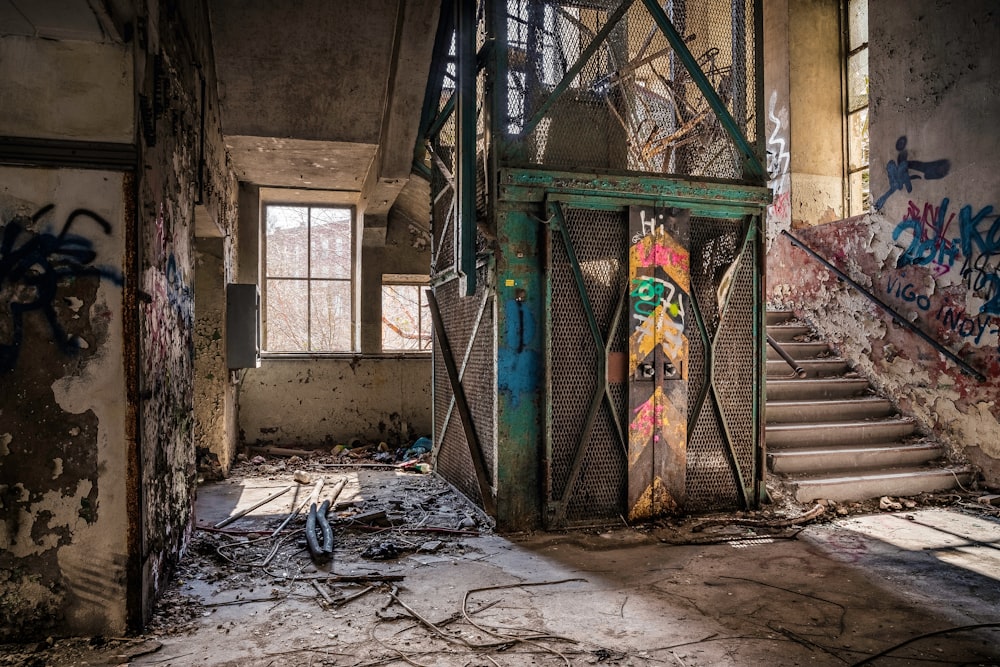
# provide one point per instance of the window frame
(422, 283)
(352, 280)
(856, 167)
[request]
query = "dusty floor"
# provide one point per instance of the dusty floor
(434, 586)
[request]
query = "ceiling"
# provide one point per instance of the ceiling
(314, 95)
(321, 95)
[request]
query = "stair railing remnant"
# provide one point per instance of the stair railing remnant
(799, 371)
(896, 317)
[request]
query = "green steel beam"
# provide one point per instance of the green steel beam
(534, 185)
(435, 81)
(577, 67)
(752, 163)
(465, 89)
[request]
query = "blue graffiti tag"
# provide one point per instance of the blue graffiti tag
(31, 268)
(899, 170)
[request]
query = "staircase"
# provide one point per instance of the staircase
(829, 436)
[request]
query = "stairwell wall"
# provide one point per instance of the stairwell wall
(930, 245)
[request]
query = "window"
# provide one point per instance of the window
(856, 64)
(308, 291)
(406, 319)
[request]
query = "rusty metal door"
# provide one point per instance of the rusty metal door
(659, 285)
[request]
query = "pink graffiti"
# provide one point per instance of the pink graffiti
(646, 418)
(662, 255)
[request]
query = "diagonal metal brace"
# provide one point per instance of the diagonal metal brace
(751, 162)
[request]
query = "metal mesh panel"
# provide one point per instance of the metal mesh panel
(600, 242)
(459, 314)
(710, 482)
(735, 363)
(443, 195)
(632, 105)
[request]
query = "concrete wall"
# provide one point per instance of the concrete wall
(97, 457)
(930, 249)
(804, 107)
(63, 454)
(183, 165)
(329, 400)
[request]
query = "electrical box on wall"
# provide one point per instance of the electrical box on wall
(242, 325)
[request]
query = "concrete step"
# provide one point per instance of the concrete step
(789, 332)
(827, 410)
(832, 367)
(801, 350)
(790, 436)
(779, 316)
(849, 458)
(893, 482)
(811, 389)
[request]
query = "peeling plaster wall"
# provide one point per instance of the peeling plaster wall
(63, 520)
(325, 401)
(931, 248)
(215, 428)
(176, 66)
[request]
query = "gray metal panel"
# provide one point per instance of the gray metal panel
(242, 325)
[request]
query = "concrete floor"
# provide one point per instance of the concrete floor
(836, 593)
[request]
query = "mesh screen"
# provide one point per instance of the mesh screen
(710, 482)
(600, 242)
(454, 462)
(632, 105)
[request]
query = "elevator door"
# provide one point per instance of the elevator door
(659, 285)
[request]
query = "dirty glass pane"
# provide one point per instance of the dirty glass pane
(331, 316)
(287, 241)
(331, 243)
(857, 137)
(857, 23)
(287, 315)
(860, 192)
(857, 80)
(405, 319)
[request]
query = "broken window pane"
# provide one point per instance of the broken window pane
(857, 80)
(405, 318)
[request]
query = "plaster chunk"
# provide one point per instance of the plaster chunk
(5, 440)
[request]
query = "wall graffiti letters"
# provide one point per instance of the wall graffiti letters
(778, 162)
(33, 266)
(977, 244)
(900, 172)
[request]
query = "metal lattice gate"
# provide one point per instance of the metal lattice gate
(587, 449)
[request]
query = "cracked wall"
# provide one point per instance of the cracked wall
(62, 407)
(931, 247)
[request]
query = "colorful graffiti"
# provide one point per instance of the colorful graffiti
(900, 172)
(34, 265)
(659, 284)
(930, 245)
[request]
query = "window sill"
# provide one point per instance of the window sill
(341, 356)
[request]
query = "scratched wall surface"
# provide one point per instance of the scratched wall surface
(175, 139)
(62, 403)
(931, 246)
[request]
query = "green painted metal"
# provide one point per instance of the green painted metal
(435, 82)
(465, 45)
(520, 356)
(536, 184)
(572, 72)
(752, 163)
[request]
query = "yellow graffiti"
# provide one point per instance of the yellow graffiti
(655, 499)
